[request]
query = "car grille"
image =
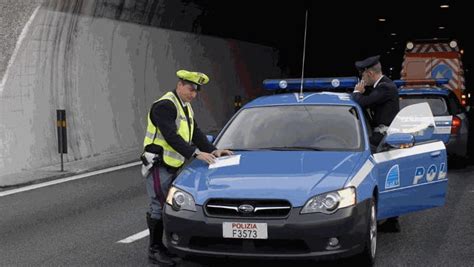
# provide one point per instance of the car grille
(249, 246)
(248, 208)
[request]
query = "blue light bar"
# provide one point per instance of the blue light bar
(310, 83)
(437, 82)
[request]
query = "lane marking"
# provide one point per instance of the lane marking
(67, 179)
(135, 237)
(19, 42)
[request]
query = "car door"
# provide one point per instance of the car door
(440, 109)
(412, 178)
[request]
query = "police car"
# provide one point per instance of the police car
(449, 114)
(304, 183)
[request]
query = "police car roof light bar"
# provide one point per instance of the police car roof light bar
(328, 84)
(428, 82)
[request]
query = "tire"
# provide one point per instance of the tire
(367, 257)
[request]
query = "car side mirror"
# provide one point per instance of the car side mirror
(210, 138)
(400, 140)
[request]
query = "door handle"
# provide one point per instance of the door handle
(435, 154)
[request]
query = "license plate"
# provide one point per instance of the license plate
(244, 230)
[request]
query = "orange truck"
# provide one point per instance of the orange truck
(434, 59)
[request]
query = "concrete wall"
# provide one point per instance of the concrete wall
(13, 16)
(106, 73)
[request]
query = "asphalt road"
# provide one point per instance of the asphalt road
(79, 223)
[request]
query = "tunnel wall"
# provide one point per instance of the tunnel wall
(106, 73)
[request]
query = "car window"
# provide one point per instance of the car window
(321, 127)
(437, 103)
(414, 119)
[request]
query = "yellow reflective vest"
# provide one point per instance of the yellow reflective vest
(154, 136)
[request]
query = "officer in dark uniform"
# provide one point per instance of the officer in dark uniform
(171, 133)
(383, 102)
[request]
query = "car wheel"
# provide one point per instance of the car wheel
(367, 257)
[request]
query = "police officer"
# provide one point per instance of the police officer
(383, 102)
(170, 132)
(382, 99)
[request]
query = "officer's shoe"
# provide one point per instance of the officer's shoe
(391, 225)
(157, 252)
(160, 257)
(173, 256)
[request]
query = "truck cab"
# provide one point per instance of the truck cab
(435, 59)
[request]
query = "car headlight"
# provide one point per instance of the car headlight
(180, 200)
(330, 202)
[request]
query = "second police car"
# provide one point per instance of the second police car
(304, 182)
(449, 114)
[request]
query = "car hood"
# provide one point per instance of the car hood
(292, 175)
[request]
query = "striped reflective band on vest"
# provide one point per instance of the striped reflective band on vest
(166, 153)
(154, 136)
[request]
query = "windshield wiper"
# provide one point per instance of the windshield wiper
(286, 148)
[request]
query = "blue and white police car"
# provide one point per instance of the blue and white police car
(303, 182)
(450, 116)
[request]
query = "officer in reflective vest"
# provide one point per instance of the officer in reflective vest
(170, 133)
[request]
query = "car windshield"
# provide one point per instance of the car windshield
(310, 127)
(437, 103)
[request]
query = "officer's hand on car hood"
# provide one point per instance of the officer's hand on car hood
(206, 157)
(222, 152)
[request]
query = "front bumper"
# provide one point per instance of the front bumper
(295, 237)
